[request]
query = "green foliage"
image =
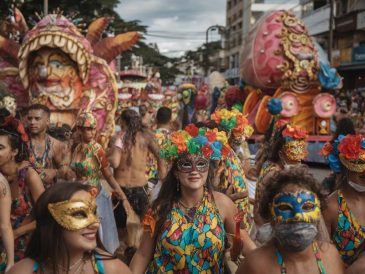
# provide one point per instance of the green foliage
(89, 10)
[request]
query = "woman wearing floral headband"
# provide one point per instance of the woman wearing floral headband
(25, 185)
(292, 202)
(65, 240)
(288, 149)
(345, 216)
(231, 176)
(186, 227)
(89, 163)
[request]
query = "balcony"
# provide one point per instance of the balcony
(318, 20)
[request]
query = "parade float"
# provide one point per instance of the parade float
(280, 60)
(57, 66)
(136, 88)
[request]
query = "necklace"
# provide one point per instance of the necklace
(190, 211)
(40, 161)
(73, 265)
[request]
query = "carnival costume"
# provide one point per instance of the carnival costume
(349, 236)
(87, 162)
(21, 206)
(236, 124)
(20, 215)
(190, 242)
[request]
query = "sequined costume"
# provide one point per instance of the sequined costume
(233, 175)
(20, 215)
(87, 162)
(190, 247)
(349, 236)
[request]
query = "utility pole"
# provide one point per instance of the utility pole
(330, 38)
(206, 51)
(45, 7)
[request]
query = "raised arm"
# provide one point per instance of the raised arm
(6, 231)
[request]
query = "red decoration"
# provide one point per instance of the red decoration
(192, 130)
(350, 147)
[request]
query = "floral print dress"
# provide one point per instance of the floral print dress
(234, 175)
(87, 163)
(349, 236)
(195, 246)
(20, 215)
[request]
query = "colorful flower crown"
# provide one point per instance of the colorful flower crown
(348, 150)
(233, 121)
(210, 143)
(295, 147)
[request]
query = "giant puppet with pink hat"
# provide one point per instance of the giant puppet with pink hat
(281, 60)
(56, 65)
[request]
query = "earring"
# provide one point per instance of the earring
(178, 186)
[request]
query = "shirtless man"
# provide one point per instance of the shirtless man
(128, 157)
(50, 157)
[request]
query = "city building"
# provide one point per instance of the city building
(350, 43)
(241, 15)
(348, 48)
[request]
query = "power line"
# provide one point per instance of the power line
(196, 38)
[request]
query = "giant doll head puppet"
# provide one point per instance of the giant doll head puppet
(186, 95)
(68, 72)
(280, 58)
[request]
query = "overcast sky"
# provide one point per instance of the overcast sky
(182, 23)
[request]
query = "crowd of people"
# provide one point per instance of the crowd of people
(164, 200)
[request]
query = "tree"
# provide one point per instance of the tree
(88, 11)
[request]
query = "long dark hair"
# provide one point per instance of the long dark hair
(134, 125)
(271, 147)
(344, 126)
(169, 194)
(47, 245)
(15, 139)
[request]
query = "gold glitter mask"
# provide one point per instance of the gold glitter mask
(355, 166)
(296, 150)
(74, 215)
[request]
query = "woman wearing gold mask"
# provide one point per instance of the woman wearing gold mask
(65, 239)
(300, 244)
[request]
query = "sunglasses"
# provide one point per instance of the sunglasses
(189, 165)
